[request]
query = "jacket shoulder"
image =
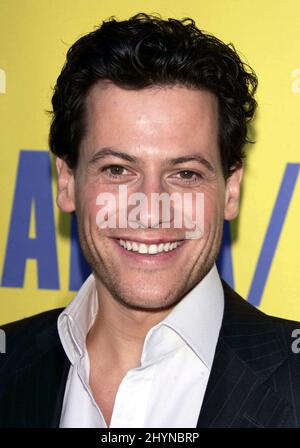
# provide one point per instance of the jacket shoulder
(32, 323)
(240, 309)
(27, 339)
(256, 327)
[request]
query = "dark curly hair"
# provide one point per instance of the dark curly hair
(147, 50)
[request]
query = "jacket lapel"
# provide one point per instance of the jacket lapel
(249, 351)
(52, 369)
(33, 396)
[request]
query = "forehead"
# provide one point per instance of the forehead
(163, 119)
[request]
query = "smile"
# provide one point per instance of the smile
(150, 249)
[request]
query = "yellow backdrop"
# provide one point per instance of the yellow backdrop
(34, 37)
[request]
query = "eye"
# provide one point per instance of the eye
(114, 171)
(189, 176)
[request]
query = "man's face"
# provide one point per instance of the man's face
(152, 130)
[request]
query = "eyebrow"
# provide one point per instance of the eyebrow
(193, 158)
(105, 152)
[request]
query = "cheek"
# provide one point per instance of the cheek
(86, 205)
(98, 210)
(213, 209)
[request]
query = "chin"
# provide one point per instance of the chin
(148, 299)
(142, 305)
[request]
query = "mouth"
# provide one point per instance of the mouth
(150, 249)
(151, 253)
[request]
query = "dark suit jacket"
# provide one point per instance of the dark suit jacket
(254, 381)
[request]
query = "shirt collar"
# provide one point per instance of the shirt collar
(196, 319)
(77, 318)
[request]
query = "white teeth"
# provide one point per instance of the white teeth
(150, 249)
(142, 248)
(135, 247)
(153, 249)
(166, 247)
(160, 247)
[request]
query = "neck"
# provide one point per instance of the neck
(119, 332)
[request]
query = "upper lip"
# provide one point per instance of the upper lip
(157, 240)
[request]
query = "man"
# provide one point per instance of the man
(153, 338)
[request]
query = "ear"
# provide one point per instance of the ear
(65, 198)
(232, 193)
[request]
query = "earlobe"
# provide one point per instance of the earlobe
(232, 193)
(65, 198)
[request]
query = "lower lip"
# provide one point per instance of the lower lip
(154, 259)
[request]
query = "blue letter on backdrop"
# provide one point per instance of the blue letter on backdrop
(33, 184)
(224, 260)
(79, 269)
(273, 233)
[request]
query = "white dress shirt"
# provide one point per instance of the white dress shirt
(167, 389)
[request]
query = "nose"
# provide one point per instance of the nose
(156, 209)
